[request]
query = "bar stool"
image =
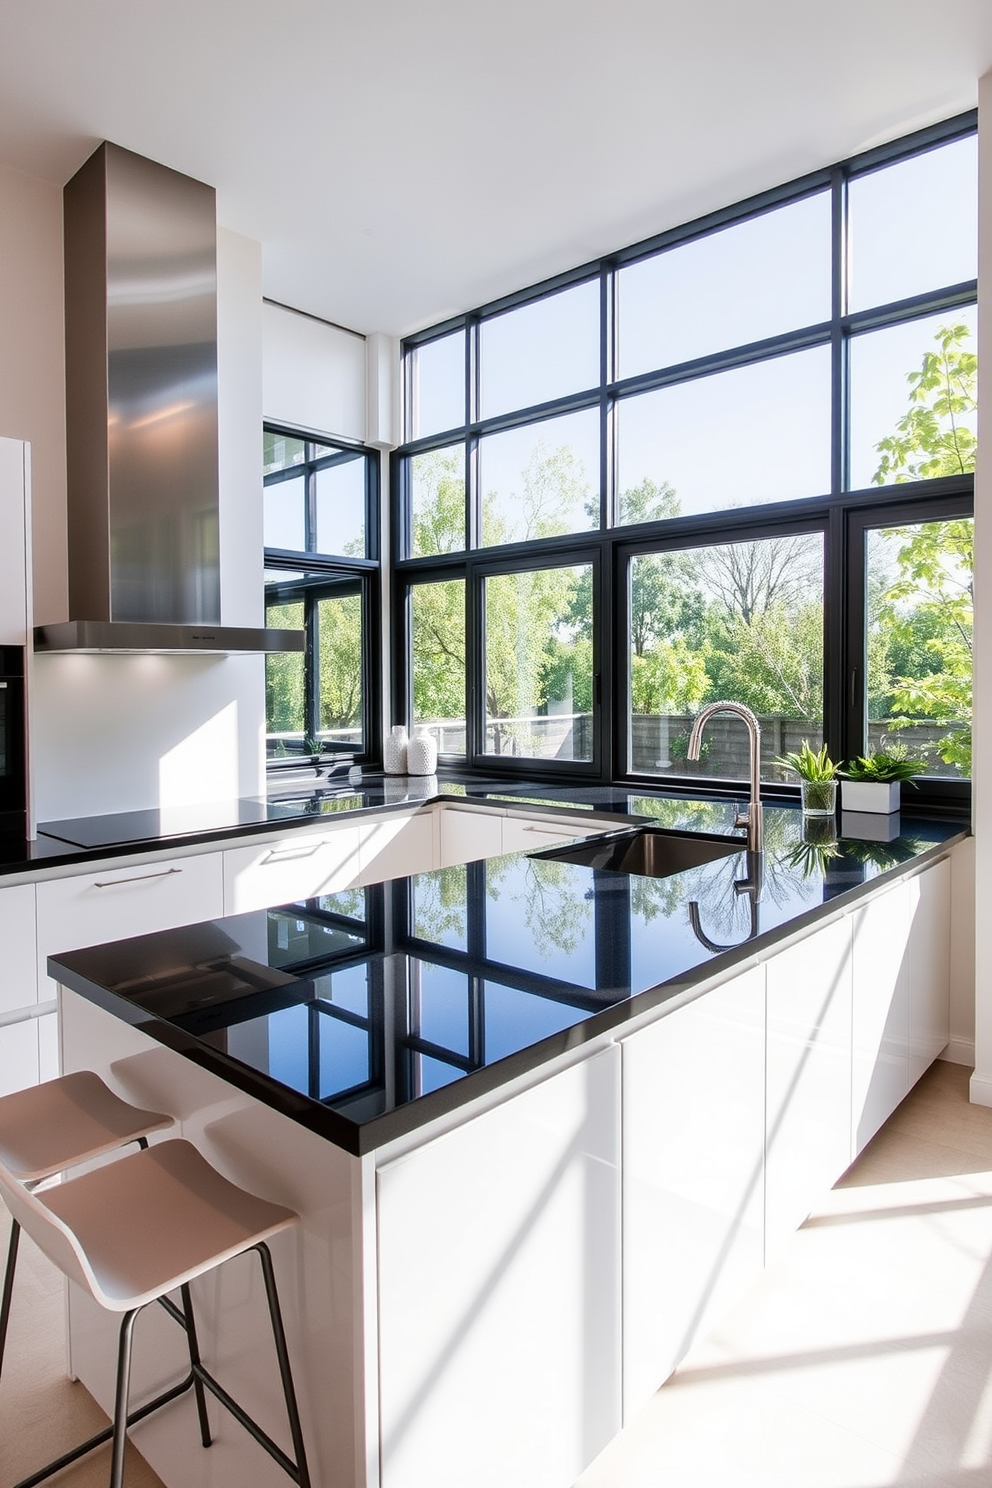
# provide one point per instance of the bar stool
(54, 1126)
(139, 1227)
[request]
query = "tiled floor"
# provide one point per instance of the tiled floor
(863, 1359)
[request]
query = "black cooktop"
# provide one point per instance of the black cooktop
(122, 827)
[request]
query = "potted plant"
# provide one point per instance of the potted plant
(817, 777)
(872, 782)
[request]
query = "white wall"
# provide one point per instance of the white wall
(313, 374)
(119, 733)
(981, 1084)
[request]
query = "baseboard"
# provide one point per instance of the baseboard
(960, 1051)
(980, 1090)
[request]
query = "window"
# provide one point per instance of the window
(319, 530)
(778, 379)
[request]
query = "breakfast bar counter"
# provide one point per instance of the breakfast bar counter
(542, 1120)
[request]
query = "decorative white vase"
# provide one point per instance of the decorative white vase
(422, 754)
(870, 795)
(394, 760)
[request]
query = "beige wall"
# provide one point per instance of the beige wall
(32, 390)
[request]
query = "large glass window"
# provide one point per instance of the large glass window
(314, 700)
(737, 620)
(747, 391)
(919, 643)
(438, 652)
(538, 666)
(542, 350)
(754, 280)
(758, 433)
(540, 480)
(317, 517)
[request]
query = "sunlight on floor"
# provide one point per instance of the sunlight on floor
(863, 1358)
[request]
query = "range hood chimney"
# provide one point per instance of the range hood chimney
(141, 416)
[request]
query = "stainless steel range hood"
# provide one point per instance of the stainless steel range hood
(141, 416)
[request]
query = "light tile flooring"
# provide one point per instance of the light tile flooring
(863, 1359)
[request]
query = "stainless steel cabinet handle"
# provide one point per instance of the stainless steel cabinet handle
(552, 831)
(111, 883)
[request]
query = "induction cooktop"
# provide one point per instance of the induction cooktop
(121, 827)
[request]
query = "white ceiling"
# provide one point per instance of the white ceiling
(401, 160)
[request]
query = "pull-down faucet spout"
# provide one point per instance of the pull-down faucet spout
(751, 819)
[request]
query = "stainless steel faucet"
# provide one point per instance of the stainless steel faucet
(751, 819)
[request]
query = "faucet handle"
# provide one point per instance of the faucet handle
(742, 819)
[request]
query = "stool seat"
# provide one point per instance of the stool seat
(50, 1127)
(132, 1231)
(153, 1220)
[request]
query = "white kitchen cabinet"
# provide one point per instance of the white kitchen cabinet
(394, 846)
(929, 958)
(49, 1060)
(693, 1179)
(129, 899)
(880, 1022)
(18, 933)
(808, 1079)
(18, 1055)
(499, 1293)
(531, 833)
(468, 833)
(300, 865)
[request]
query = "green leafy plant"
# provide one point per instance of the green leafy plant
(881, 767)
(809, 764)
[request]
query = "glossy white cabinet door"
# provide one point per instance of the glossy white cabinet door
(298, 866)
(133, 899)
(693, 1179)
(18, 937)
(808, 1088)
(930, 969)
(19, 1055)
(880, 1023)
(467, 835)
(499, 1293)
(394, 846)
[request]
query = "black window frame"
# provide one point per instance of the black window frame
(840, 512)
(309, 576)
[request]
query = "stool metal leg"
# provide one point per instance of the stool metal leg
(195, 1367)
(120, 1402)
(285, 1373)
(8, 1285)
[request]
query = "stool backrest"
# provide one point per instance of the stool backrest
(49, 1233)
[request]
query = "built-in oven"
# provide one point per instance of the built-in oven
(13, 763)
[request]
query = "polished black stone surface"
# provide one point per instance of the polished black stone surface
(120, 828)
(366, 1013)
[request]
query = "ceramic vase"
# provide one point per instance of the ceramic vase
(870, 795)
(422, 754)
(394, 760)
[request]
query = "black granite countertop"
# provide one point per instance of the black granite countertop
(367, 1013)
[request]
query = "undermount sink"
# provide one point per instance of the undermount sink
(651, 851)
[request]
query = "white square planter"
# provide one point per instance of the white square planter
(870, 795)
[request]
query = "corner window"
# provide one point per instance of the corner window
(319, 521)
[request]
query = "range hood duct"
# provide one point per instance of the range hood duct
(141, 416)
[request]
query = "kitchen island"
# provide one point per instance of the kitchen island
(542, 1121)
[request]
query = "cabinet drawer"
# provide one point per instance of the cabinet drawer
(18, 936)
(396, 846)
(467, 835)
(530, 833)
(297, 867)
(133, 899)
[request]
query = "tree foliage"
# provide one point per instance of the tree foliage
(925, 614)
